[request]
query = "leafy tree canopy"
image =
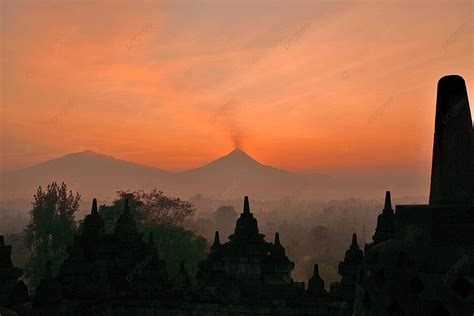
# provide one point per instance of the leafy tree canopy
(161, 215)
(50, 230)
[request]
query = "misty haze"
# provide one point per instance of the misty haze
(237, 158)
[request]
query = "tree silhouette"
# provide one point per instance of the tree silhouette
(160, 215)
(149, 207)
(50, 230)
(160, 208)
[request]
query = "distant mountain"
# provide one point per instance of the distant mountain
(98, 175)
(88, 172)
(231, 176)
(237, 174)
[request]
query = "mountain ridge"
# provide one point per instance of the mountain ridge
(95, 174)
(230, 176)
(86, 154)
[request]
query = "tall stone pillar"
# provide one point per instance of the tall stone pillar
(452, 175)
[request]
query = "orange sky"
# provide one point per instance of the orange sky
(332, 86)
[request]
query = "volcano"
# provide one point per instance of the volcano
(97, 175)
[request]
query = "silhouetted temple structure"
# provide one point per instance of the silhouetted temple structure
(453, 150)
(316, 285)
(12, 291)
(385, 222)
(247, 266)
(421, 261)
(249, 275)
(120, 274)
(106, 273)
(349, 269)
